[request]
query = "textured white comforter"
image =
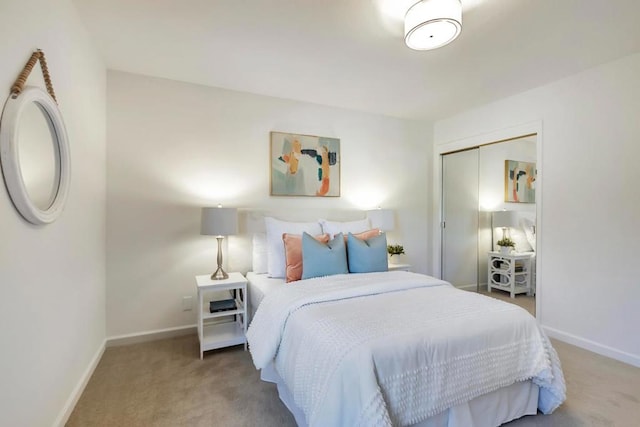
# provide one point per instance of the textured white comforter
(395, 348)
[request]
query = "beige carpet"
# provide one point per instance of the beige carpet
(164, 383)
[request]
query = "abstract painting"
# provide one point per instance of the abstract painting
(519, 181)
(304, 165)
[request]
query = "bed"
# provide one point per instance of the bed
(398, 348)
(259, 285)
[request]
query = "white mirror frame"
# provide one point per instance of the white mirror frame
(9, 125)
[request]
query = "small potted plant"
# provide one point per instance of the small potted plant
(506, 245)
(394, 250)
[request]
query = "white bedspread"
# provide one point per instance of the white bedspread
(413, 347)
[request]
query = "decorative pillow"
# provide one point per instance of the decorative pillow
(323, 259)
(364, 235)
(275, 247)
(334, 227)
(367, 256)
(259, 253)
(293, 254)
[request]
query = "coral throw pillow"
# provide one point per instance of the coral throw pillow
(293, 254)
(365, 235)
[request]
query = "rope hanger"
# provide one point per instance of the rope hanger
(36, 56)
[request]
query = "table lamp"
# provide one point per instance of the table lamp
(219, 222)
(504, 220)
(381, 219)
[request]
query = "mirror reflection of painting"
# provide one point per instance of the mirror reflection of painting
(304, 165)
(520, 182)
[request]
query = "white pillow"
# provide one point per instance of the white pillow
(520, 240)
(529, 231)
(333, 227)
(275, 246)
(259, 255)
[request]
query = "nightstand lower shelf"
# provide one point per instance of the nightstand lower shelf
(220, 335)
(516, 289)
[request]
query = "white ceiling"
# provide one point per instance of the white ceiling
(351, 53)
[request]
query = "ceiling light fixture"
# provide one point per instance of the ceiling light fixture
(430, 24)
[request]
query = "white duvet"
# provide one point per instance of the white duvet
(395, 348)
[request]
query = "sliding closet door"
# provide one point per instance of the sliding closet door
(460, 219)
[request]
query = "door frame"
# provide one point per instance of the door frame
(499, 135)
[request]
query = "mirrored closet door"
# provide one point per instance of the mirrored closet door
(460, 219)
(488, 192)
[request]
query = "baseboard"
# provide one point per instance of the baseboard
(470, 287)
(146, 336)
(594, 347)
(67, 409)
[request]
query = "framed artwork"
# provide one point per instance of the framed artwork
(304, 165)
(519, 181)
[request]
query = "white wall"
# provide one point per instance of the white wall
(52, 278)
(589, 289)
(175, 147)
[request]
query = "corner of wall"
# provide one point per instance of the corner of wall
(73, 398)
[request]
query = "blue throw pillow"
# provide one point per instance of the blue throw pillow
(320, 259)
(367, 256)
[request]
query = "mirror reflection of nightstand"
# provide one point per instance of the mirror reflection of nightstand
(510, 272)
(400, 267)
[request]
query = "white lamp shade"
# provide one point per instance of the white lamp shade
(382, 219)
(430, 24)
(504, 219)
(219, 221)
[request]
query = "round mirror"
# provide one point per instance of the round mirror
(35, 155)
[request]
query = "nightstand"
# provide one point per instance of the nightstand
(510, 272)
(213, 331)
(400, 267)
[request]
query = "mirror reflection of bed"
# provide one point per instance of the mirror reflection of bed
(473, 185)
(369, 347)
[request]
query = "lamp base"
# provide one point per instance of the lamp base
(219, 274)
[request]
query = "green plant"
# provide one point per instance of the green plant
(506, 241)
(395, 249)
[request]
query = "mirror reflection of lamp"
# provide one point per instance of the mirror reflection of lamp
(505, 220)
(219, 222)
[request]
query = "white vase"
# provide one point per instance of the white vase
(395, 259)
(506, 250)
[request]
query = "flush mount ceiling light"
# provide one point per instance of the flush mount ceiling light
(430, 24)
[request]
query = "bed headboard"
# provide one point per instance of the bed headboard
(251, 221)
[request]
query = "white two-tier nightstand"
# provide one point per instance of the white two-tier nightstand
(510, 272)
(213, 332)
(399, 267)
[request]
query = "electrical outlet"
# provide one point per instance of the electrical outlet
(187, 303)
